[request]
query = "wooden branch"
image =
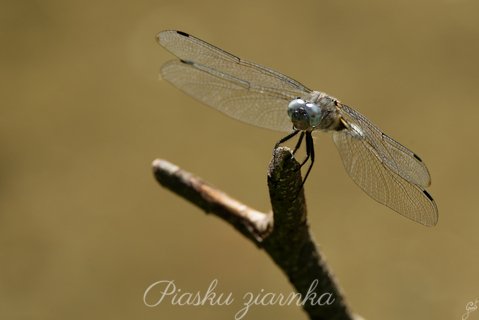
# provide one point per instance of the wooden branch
(288, 242)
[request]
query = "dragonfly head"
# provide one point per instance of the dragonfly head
(304, 115)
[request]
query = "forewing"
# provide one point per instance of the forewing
(241, 89)
(393, 155)
(233, 98)
(368, 170)
(198, 52)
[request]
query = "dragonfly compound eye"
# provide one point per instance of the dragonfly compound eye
(304, 115)
(294, 105)
(314, 112)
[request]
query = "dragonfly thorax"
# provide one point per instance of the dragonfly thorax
(304, 115)
(330, 117)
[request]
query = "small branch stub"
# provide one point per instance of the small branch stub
(251, 223)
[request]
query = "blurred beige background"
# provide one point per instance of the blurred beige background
(85, 229)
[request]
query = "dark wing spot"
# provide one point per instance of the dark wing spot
(428, 195)
(186, 62)
(183, 33)
(417, 157)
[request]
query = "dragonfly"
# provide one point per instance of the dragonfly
(386, 170)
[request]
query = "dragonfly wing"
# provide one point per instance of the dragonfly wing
(193, 50)
(368, 170)
(393, 155)
(232, 96)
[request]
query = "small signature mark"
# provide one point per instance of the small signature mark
(471, 306)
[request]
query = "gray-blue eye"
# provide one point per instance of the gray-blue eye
(295, 105)
(314, 112)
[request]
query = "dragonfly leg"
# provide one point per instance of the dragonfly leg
(309, 149)
(309, 154)
(298, 144)
(289, 136)
(309, 146)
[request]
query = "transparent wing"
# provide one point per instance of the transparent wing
(241, 89)
(373, 166)
(393, 155)
(230, 97)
